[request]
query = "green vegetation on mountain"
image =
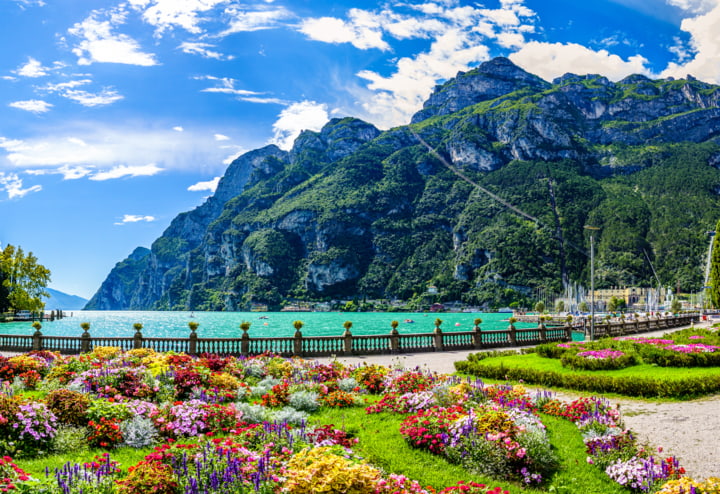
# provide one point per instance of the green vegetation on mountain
(492, 211)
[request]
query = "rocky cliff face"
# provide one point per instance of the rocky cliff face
(354, 210)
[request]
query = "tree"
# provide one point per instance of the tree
(23, 280)
(560, 306)
(540, 307)
(714, 282)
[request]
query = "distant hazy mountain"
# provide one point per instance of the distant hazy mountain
(64, 301)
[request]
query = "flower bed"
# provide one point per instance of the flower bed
(603, 359)
(240, 425)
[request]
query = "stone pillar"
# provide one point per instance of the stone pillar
(438, 336)
(193, 343)
(543, 330)
(347, 338)
(477, 335)
(297, 343)
(138, 339)
(245, 343)
(37, 337)
(394, 337)
(85, 338)
(511, 332)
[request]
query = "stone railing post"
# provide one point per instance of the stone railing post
(438, 336)
(394, 337)
(138, 337)
(298, 342)
(512, 332)
(192, 350)
(347, 338)
(542, 329)
(37, 337)
(85, 338)
(477, 334)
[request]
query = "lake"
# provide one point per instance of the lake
(226, 324)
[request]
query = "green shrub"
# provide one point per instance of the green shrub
(579, 362)
(70, 407)
(70, 439)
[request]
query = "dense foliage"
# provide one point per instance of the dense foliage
(486, 203)
(22, 280)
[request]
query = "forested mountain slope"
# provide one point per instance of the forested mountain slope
(353, 211)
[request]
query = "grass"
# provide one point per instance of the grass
(382, 445)
(534, 361)
(35, 467)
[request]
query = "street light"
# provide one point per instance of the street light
(592, 230)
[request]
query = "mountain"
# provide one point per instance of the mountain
(63, 301)
(484, 195)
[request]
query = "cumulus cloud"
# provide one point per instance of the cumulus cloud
(362, 30)
(13, 185)
(169, 14)
(459, 38)
(220, 137)
(705, 42)
(210, 185)
(306, 115)
(177, 128)
(33, 68)
(550, 60)
(134, 218)
(127, 171)
(32, 105)
(98, 43)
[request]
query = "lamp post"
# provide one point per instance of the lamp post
(592, 230)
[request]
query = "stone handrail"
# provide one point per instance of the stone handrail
(346, 344)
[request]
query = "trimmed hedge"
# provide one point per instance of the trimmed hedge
(642, 387)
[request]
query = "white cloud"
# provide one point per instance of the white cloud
(204, 50)
(32, 105)
(551, 60)
(306, 115)
(13, 185)
(127, 171)
(105, 146)
(239, 152)
(210, 185)
(226, 85)
(99, 43)
(74, 172)
(243, 20)
(220, 137)
(363, 30)
(705, 42)
(134, 218)
(169, 14)
(694, 6)
(33, 68)
(178, 129)
(85, 98)
(459, 39)
(64, 86)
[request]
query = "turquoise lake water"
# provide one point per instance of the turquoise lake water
(226, 324)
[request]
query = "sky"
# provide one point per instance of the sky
(115, 116)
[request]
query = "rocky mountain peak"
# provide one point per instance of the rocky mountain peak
(490, 80)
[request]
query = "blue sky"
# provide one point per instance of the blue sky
(115, 116)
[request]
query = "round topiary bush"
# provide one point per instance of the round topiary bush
(70, 407)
